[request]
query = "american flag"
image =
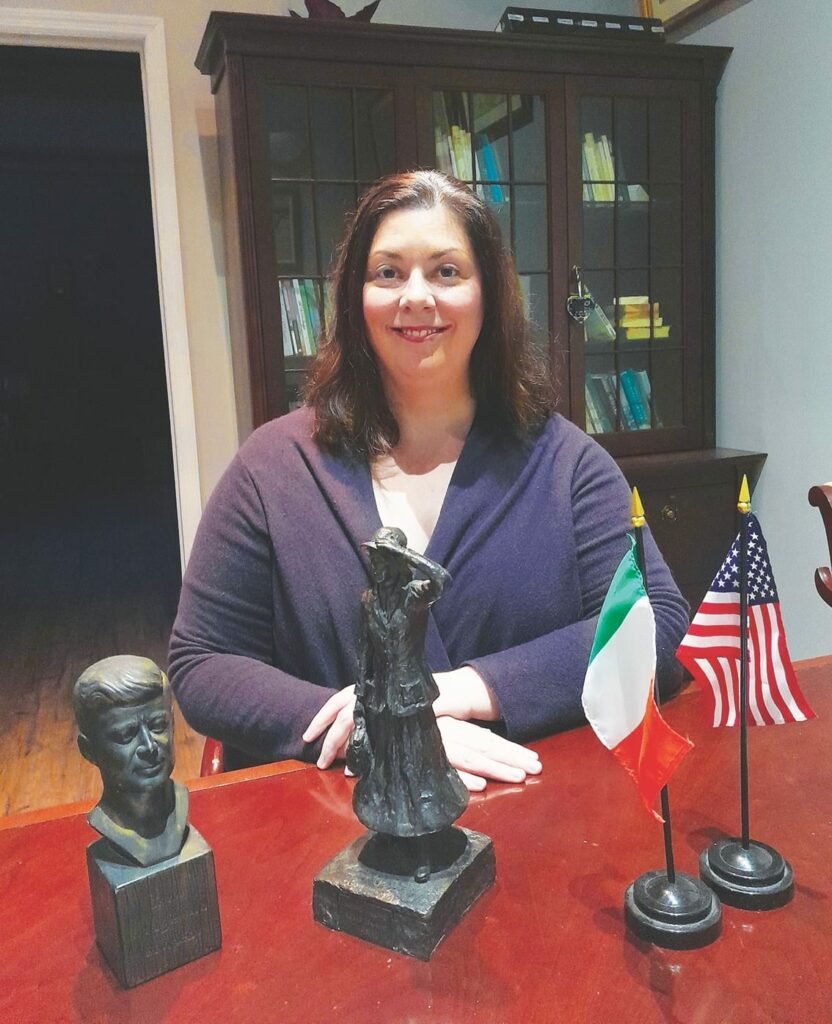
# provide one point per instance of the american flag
(710, 650)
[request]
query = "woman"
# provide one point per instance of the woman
(405, 786)
(427, 410)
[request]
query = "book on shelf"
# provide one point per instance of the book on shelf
(597, 159)
(591, 422)
(643, 333)
(616, 401)
(288, 341)
(605, 413)
(299, 316)
(635, 400)
(492, 170)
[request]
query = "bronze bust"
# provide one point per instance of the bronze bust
(124, 713)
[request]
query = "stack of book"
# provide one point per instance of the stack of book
(639, 318)
(300, 316)
(622, 407)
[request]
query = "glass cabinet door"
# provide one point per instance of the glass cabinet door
(635, 344)
(496, 142)
(325, 145)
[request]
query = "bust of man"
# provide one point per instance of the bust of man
(124, 713)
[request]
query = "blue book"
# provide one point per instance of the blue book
(631, 390)
(491, 169)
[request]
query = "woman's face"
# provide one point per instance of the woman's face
(423, 304)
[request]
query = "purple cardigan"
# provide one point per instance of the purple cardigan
(269, 616)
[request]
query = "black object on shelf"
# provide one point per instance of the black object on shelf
(534, 21)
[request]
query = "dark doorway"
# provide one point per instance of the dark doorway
(89, 563)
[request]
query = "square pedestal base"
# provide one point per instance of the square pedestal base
(150, 920)
(395, 911)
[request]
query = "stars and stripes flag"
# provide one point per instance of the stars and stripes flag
(710, 650)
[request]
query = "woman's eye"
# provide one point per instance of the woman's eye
(447, 271)
(386, 273)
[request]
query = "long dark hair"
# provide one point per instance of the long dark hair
(510, 383)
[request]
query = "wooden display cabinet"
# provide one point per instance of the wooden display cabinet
(597, 158)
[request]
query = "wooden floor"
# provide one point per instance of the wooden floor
(77, 583)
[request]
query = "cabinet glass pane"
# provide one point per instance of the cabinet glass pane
(528, 138)
(598, 220)
(666, 140)
(535, 289)
(374, 133)
(632, 235)
(632, 259)
(490, 111)
(293, 228)
(667, 299)
(332, 136)
(631, 139)
(333, 205)
(498, 200)
(668, 390)
(601, 285)
(666, 224)
(286, 128)
(531, 226)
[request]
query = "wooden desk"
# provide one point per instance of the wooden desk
(547, 943)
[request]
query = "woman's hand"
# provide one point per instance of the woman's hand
(336, 717)
(479, 754)
(464, 694)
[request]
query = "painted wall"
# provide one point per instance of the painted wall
(774, 266)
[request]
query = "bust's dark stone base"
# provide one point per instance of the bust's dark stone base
(150, 920)
(354, 894)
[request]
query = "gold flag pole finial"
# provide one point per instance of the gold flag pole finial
(744, 503)
(637, 510)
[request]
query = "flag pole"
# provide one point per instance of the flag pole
(672, 910)
(744, 509)
(638, 520)
(741, 871)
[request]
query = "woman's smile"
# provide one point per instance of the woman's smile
(419, 334)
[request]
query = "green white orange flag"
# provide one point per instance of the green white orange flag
(618, 694)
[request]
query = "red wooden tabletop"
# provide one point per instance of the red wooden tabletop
(546, 943)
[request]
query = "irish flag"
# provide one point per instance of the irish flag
(618, 690)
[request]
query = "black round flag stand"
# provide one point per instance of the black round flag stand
(753, 877)
(682, 914)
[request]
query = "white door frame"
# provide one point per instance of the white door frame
(145, 36)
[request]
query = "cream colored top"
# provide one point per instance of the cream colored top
(411, 502)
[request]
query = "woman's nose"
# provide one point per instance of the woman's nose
(416, 291)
